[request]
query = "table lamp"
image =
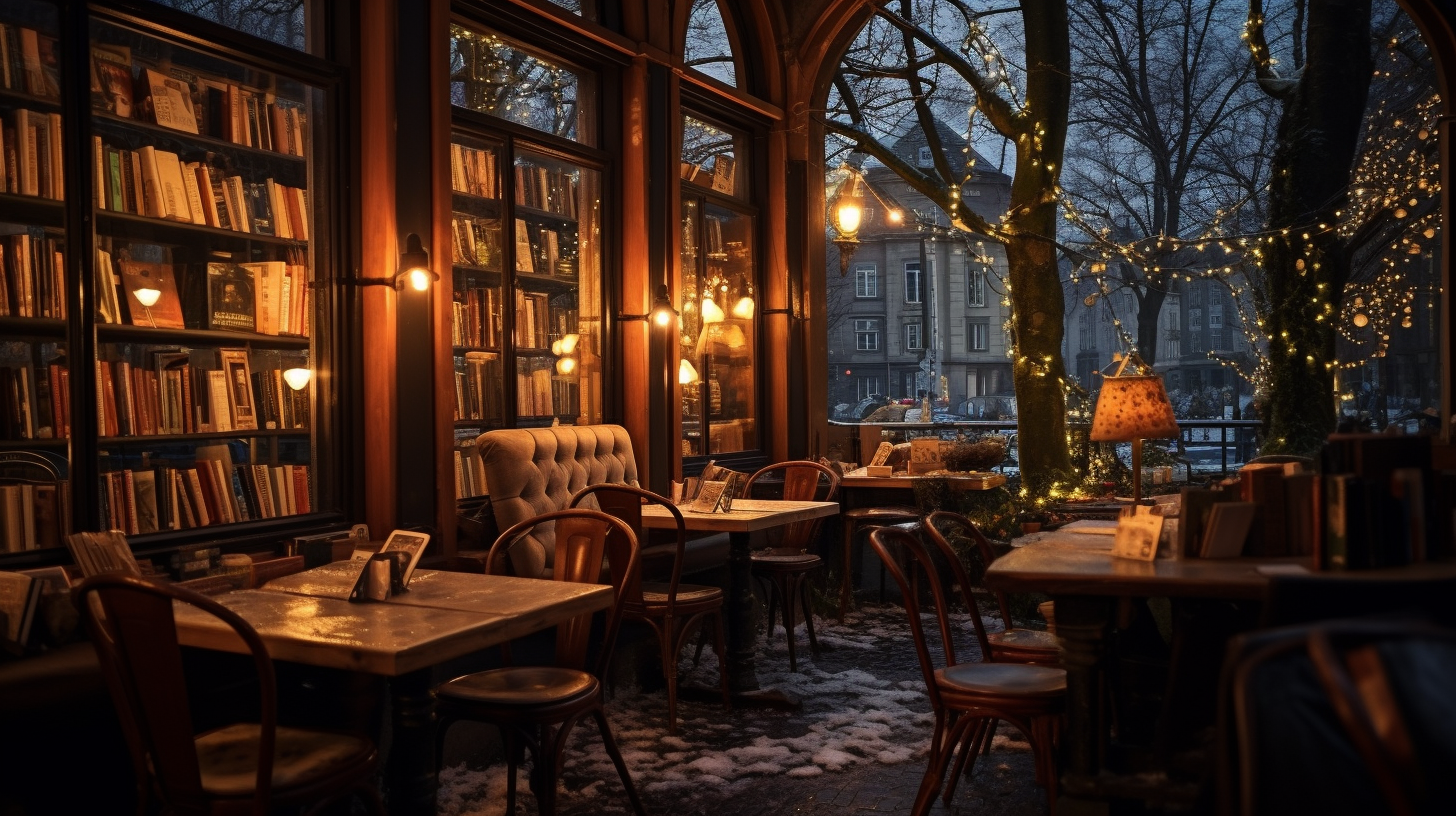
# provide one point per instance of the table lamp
(1131, 408)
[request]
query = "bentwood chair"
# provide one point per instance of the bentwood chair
(246, 767)
(967, 698)
(536, 707)
(1010, 645)
(784, 567)
(673, 609)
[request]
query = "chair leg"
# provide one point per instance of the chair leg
(801, 586)
(846, 580)
(508, 744)
(783, 588)
(965, 755)
(611, 745)
(720, 648)
(667, 638)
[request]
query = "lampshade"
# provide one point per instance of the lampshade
(1133, 407)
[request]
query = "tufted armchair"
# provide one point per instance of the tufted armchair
(530, 471)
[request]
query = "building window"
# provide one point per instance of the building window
(866, 282)
(1086, 332)
(1195, 319)
(978, 335)
(1215, 316)
(868, 387)
(976, 287)
(912, 337)
(867, 335)
(912, 282)
(708, 47)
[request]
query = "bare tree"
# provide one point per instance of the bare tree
(1163, 138)
(911, 63)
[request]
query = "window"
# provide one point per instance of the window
(975, 287)
(912, 337)
(708, 46)
(866, 281)
(912, 282)
(494, 76)
(867, 335)
(925, 158)
(978, 335)
(1086, 332)
(1215, 316)
(1195, 319)
(868, 387)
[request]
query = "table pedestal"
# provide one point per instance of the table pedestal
(410, 775)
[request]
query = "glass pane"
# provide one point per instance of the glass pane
(586, 9)
(478, 314)
(557, 319)
(707, 47)
(282, 23)
(35, 422)
(709, 157)
(495, 76)
(203, 270)
(718, 308)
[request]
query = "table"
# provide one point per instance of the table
(860, 478)
(443, 616)
(748, 516)
(1077, 569)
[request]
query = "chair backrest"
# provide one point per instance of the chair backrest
(803, 480)
(895, 547)
(131, 624)
(625, 502)
(530, 471)
(586, 549)
(944, 528)
(1338, 717)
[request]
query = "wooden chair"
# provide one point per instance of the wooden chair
(539, 705)
(784, 567)
(672, 609)
(967, 697)
(1010, 645)
(237, 768)
(858, 519)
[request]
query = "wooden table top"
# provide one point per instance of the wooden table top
(906, 481)
(1075, 561)
(747, 516)
(437, 620)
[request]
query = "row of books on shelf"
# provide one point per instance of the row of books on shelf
(473, 171)
(174, 97)
(213, 491)
(537, 322)
(545, 188)
(469, 473)
(31, 146)
(35, 404)
(478, 388)
(475, 318)
(172, 395)
(266, 297)
(29, 61)
(542, 250)
(540, 394)
(34, 516)
(475, 242)
(32, 276)
(158, 183)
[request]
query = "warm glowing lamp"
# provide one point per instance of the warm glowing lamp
(1132, 408)
(662, 313)
(148, 298)
(414, 266)
(566, 365)
(297, 378)
(686, 374)
(845, 214)
(712, 312)
(743, 309)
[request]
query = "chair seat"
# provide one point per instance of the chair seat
(1003, 679)
(228, 758)
(771, 559)
(891, 513)
(688, 595)
(1024, 640)
(519, 686)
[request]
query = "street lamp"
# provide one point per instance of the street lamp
(846, 213)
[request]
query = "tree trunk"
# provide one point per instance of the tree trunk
(1306, 267)
(1150, 306)
(1038, 309)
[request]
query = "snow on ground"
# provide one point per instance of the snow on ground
(864, 704)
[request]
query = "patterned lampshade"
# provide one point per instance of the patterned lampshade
(1133, 407)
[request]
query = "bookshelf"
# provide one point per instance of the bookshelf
(188, 409)
(526, 322)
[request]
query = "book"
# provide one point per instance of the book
(243, 413)
(408, 542)
(111, 81)
(19, 595)
(97, 553)
(166, 312)
(231, 301)
(170, 101)
(1228, 528)
(268, 289)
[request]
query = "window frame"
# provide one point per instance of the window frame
(866, 334)
(919, 282)
(872, 273)
(975, 328)
(914, 340)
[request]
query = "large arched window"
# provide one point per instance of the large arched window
(709, 47)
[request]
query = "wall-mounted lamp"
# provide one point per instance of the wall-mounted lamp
(414, 266)
(565, 351)
(712, 312)
(743, 309)
(297, 378)
(686, 374)
(148, 298)
(662, 313)
(845, 213)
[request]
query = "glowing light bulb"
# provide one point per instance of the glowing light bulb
(743, 309)
(686, 374)
(297, 378)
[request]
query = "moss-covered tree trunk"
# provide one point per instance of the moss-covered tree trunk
(1306, 265)
(1038, 308)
